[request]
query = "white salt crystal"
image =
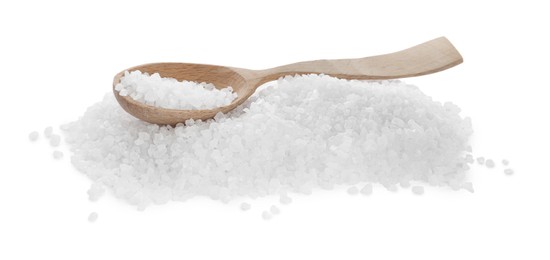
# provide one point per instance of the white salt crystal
(274, 210)
(469, 159)
(367, 189)
(391, 187)
(455, 185)
(505, 162)
(353, 190)
(266, 215)
(33, 136)
(468, 186)
(92, 217)
(55, 140)
(418, 190)
(48, 131)
(170, 93)
(57, 154)
(285, 199)
(481, 160)
(95, 192)
(509, 171)
(490, 163)
(245, 206)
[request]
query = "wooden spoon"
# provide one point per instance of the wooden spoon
(429, 57)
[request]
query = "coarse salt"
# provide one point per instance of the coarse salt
(169, 93)
(301, 134)
(418, 190)
(33, 136)
(245, 206)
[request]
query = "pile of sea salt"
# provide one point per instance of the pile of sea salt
(303, 133)
(170, 93)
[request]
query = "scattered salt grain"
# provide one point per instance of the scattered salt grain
(353, 190)
(57, 154)
(48, 131)
(55, 140)
(266, 215)
(304, 133)
(481, 160)
(490, 163)
(391, 187)
(469, 159)
(33, 136)
(170, 93)
(418, 190)
(505, 162)
(245, 206)
(404, 184)
(455, 185)
(367, 189)
(95, 192)
(274, 210)
(509, 171)
(468, 186)
(92, 217)
(285, 199)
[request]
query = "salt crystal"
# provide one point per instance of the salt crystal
(274, 210)
(92, 217)
(57, 154)
(33, 136)
(455, 185)
(367, 189)
(48, 131)
(490, 163)
(481, 160)
(95, 192)
(505, 162)
(170, 93)
(245, 206)
(509, 171)
(404, 184)
(393, 187)
(418, 190)
(55, 140)
(468, 186)
(353, 190)
(266, 215)
(285, 199)
(469, 159)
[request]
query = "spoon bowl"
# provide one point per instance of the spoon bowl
(426, 58)
(219, 76)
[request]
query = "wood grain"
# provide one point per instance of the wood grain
(426, 58)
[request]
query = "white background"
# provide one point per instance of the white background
(58, 58)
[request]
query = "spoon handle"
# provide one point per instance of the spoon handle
(426, 58)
